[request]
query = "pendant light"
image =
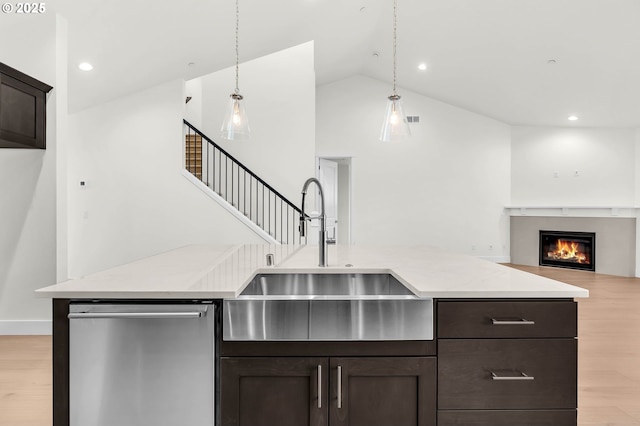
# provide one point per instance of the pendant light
(236, 124)
(395, 126)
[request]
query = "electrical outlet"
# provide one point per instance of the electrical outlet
(576, 173)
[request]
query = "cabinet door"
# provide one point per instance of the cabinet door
(22, 114)
(273, 391)
(383, 391)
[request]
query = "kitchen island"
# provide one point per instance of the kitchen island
(504, 352)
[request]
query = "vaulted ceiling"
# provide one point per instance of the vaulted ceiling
(524, 62)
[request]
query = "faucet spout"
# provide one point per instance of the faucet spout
(322, 240)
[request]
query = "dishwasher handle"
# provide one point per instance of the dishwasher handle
(137, 315)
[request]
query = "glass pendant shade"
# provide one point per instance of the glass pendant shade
(395, 126)
(236, 124)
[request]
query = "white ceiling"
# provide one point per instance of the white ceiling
(488, 56)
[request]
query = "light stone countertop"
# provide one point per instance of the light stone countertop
(221, 272)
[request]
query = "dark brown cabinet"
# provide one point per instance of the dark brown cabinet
(354, 391)
(493, 363)
(507, 319)
(513, 374)
(274, 391)
(22, 110)
(383, 391)
(507, 362)
(500, 362)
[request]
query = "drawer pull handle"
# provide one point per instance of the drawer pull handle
(520, 321)
(319, 386)
(521, 376)
(339, 386)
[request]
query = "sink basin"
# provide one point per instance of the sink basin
(327, 307)
(325, 287)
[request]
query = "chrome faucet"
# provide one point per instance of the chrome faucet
(322, 240)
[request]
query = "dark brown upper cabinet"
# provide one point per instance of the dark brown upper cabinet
(23, 110)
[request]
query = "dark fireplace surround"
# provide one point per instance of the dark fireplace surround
(563, 249)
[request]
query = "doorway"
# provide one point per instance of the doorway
(335, 176)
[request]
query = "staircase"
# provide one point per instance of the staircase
(244, 193)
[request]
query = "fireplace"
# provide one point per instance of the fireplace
(576, 250)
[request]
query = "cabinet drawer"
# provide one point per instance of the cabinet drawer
(505, 319)
(508, 418)
(490, 374)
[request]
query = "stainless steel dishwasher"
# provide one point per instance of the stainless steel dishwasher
(141, 364)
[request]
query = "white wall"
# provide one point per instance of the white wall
(193, 109)
(279, 96)
(28, 185)
(136, 202)
(637, 197)
(637, 168)
(129, 152)
(446, 186)
(545, 161)
(604, 158)
(62, 140)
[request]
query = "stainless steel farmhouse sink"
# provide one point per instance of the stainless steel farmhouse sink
(325, 287)
(314, 307)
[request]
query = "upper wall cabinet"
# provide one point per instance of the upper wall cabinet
(22, 110)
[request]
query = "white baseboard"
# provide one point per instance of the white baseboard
(25, 327)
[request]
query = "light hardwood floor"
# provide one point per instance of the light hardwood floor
(608, 357)
(25, 381)
(608, 346)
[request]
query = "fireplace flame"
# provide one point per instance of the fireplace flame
(568, 250)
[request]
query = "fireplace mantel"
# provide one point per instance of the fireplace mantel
(573, 211)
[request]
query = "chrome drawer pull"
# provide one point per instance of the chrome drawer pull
(319, 386)
(522, 376)
(339, 386)
(521, 321)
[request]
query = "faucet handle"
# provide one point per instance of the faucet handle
(303, 226)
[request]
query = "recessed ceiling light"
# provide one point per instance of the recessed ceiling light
(422, 67)
(85, 66)
(552, 61)
(572, 118)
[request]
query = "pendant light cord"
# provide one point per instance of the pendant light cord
(395, 54)
(237, 49)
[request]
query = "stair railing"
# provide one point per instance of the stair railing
(240, 187)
